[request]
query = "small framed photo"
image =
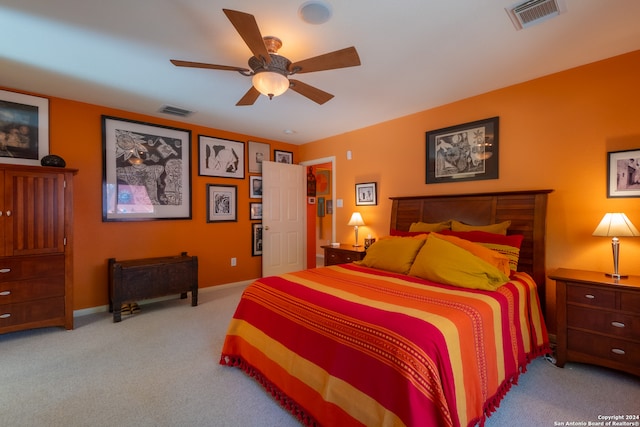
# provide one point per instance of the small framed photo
(623, 173)
(220, 157)
(24, 128)
(467, 152)
(255, 210)
(255, 187)
(311, 200)
(256, 239)
(366, 194)
(222, 203)
(280, 156)
(258, 152)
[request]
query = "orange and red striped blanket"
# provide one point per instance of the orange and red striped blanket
(350, 345)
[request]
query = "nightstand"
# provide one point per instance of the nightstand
(342, 254)
(598, 319)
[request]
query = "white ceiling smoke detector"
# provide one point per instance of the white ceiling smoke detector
(532, 12)
(315, 12)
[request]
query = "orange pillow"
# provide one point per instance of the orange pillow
(498, 260)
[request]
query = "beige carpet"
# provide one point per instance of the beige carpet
(160, 368)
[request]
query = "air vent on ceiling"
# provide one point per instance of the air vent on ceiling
(176, 111)
(532, 12)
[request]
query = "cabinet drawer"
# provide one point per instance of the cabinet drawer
(31, 289)
(613, 349)
(33, 311)
(605, 322)
(596, 297)
(26, 267)
(630, 301)
(341, 257)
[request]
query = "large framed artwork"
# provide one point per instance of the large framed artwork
(258, 152)
(466, 152)
(222, 203)
(220, 157)
(146, 171)
(623, 173)
(24, 128)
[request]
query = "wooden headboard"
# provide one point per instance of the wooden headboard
(527, 211)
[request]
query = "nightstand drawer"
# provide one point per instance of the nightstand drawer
(342, 254)
(630, 302)
(605, 322)
(341, 257)
(617, 350)
(593, 296)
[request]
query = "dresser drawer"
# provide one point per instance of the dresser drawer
(605, 322)
(592, 296)
(31, 289)
(630, 301)
(33, 311)
(613, 349)
(25, 267)
(341, 257)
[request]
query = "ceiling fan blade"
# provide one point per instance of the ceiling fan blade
(342, 58)
(247, 27)
(250, 97)
(313, 93)
(179, 63)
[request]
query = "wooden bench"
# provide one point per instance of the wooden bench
(140, 279)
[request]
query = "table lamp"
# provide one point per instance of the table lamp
(355, 221)
(616, 225)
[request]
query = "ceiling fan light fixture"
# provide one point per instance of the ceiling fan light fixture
(270, 83)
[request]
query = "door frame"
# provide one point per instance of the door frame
(332, 160)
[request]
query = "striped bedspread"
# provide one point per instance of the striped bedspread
(349, 345)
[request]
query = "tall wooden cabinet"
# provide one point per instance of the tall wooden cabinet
(36, 253)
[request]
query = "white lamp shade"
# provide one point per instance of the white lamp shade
(356, 219)
(616, 224)
(270, 83)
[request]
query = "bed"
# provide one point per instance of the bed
(381, 343)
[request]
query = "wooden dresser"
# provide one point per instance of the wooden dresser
(342, 254)
(598, 319)
(36, 259)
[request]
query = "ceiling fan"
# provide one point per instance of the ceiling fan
(269, 71)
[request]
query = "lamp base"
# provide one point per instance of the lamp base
(616, 276)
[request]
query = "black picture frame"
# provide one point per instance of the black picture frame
(367, 194)
(222, 203)
(280, 156)
(24, 123)
(220, 157)
(146, 171)
(255, 187)
(255, 210)
(256, 239)
(623, 173)
(466, 152)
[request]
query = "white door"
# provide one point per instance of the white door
(283, 218)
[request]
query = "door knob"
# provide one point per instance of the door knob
(266, 227)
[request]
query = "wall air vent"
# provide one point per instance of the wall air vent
(175, 111)
(532, 12)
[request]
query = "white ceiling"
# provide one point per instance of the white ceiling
(416, 55)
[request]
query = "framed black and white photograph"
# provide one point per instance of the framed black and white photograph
(256, 239)
(255, 187)
(24, 128)
(222, 203)
(255, 210)
(146, 171)
(367, 194)
(623, 173)
(280, 156)
(466, 152)
(258, 152)
(220, 157)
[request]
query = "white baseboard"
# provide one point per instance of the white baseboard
(103, 308)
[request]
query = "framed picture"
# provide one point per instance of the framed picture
(329, 207)
(220, 157)
(24, 128)
(366, 194)
(466, 152)
(280, 156)
(256, 239)
(323, 182)
(146, 171)
(623, 173)
(222, 203)
(255, 187)
(258, 152)
(255, 210)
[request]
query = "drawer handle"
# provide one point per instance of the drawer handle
(617, 324)
(617, 351)
(5, 293)
(5, 270)
(5, 315)
(589, 296)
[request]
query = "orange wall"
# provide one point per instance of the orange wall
(555, 133)
(76, 135)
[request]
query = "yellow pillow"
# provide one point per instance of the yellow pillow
(394, 254)
(498, 260)
(443, 262)
(429, 227)
(499, 228)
